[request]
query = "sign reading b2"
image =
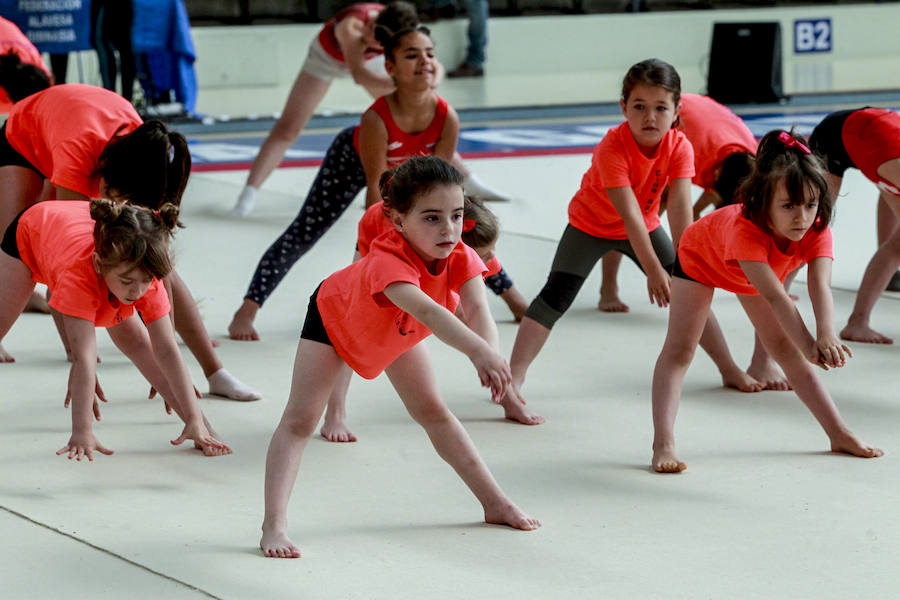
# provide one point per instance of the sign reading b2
(812, 35)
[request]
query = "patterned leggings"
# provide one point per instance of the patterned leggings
(336, 184)
(339, 180)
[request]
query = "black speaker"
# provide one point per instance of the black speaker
(745, 63)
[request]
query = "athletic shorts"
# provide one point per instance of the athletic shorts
(677, 271)
(322, 65)
(9, 244)
(313, 327)
(9, 157)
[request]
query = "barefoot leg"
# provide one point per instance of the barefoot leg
(334, 427)
(688, 313)
(241, 327)
(316, 370)
(413, 378)
(515, 409)
(713, 342)
(609, 286)
(15, 290)
(803, 378)
(765, 370)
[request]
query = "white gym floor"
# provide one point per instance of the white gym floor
(763, 511)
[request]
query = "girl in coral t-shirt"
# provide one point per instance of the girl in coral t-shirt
(412, 121)
(867, 139)
(617, 209)
(20, 64)
(89, 142)
(749, 249)
(104, 261)
(480, 232)
(372, 316)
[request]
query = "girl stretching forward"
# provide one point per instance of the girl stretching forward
(412, 121)
(103, 261)
(617, 209)
(749, 249)
(89, 142)
(372, 316)
(480, 232)
(867, 139)
(349, 44)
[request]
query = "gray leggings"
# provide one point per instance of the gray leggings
(576, 256)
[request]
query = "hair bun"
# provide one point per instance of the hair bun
(168, 214)
(104, 210)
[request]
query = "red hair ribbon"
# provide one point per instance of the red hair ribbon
(156, 213)
(791, 142)
(468, 224)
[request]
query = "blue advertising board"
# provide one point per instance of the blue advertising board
(54, 26)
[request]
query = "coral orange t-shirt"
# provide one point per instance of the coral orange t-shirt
(63, 130)
(711, 247)
(329, 41)
(368, 331)
(12, 39)
(56, 241)
(618, 162)
(374, 223)
(714, 133)
(871, 137)
(402, 145)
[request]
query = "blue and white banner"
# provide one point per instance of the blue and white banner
(54, 26)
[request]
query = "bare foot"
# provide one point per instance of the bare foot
(794, 297)
(743, 381)
(241, 327)
(336, 430)
(510, 514)
(864, 334)
(515, 409)
(665, 461)
(276, 544)
(212, 450)
(5, 357)
(37, 304)
(770, 376)
(847, 443)
(215, 343)
(610, 302)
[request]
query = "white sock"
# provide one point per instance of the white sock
(245, 202)
(223, 383)
(476, 187)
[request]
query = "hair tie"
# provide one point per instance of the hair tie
(170, 153)
(791, 142)
(156, 214)
(468, 224)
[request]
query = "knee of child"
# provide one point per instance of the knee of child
(300, 424)
(431, 413)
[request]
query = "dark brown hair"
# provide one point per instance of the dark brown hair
(396, 20)
(400, 187)
(134, 235)
(20, 79)
(487, 227)
(734, 169)
(803, 175)
(655, 73)
(148, 167)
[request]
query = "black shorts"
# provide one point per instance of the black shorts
(9, 244)
(677, 271)
(9, 157)
(828, 143)
(313, 327)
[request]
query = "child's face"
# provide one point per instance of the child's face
(650, 111)
(434, 223)
(126, 282)
(413, 63)
(788, 221)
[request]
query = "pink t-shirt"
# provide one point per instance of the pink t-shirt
(711, 247)
(56, 241)
(871, 137)
(714, 133)
(618, 162)
(63, 130)
(367, 330)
